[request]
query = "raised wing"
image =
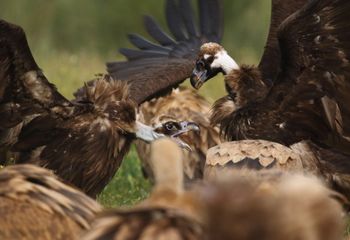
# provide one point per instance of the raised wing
(155, 68)
(24, 90)
(316, 50)
(270, 61)
(23, 72)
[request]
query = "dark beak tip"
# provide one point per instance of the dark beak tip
(194, 79)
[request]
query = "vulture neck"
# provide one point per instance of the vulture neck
(166, 158)
(228, 64)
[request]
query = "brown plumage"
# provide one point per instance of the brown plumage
(181, 104)
(302, 96)
(271, 205)
(34, 204)
(83, 141)
(169, 213)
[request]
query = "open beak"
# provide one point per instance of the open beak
(148, 134)
(185, 128)
(198, 78)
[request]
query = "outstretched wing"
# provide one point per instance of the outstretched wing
(315, 43)
(24, 90)
(26, 79)
(270, 61)
(155, 68)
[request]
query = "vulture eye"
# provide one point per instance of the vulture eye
(170, 126)
(200, 64)
(210, 59)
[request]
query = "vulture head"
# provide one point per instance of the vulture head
(111, 100)
(244, 84)
(168, 126)
(212, 60)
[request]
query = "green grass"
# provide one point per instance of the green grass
(128, 185)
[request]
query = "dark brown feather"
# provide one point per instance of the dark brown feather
(34, 204)
(308, 100)
(86, 149)
(271, 59)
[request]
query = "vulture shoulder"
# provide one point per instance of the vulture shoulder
(34, 204)
(169, 212)
(271, 205)
(160, 64)
(182, 104)
(87, 148)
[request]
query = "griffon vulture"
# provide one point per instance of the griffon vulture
(83, 141)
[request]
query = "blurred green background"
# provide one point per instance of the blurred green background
(72, 39)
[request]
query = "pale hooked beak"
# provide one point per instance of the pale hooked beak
(185, 127)
(198, 78)
(149, 134)
(146, 133)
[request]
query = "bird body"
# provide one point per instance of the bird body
(34, 204)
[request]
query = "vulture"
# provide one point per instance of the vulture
(181, 104)
(82, 141)
(169, 212)
(271, 205)
(34, 204)
(159, 66)
(300, 90)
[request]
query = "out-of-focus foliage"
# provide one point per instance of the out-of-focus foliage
(101, 25)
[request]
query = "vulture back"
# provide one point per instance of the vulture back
(34, 204)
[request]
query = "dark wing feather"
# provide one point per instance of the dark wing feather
(25, 91)
(22, 63)
(315, 43)
(155, 69)
(270, 61)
